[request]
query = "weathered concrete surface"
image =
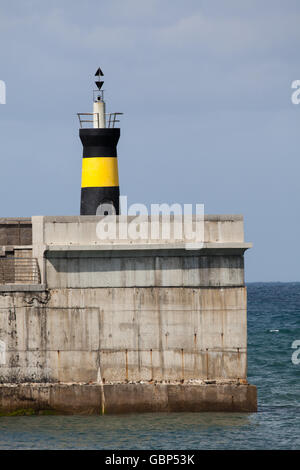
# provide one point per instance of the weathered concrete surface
(56, 236)
(142, 269)
(127, 398)
(73, 335)
(82, 230)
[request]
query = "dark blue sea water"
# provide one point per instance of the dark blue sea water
(273, 325)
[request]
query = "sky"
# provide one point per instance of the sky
(205, 88)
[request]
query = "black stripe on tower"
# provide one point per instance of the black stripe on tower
(99, 143)
(91, 198)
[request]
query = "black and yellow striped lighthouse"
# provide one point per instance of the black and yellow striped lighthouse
(100, 190)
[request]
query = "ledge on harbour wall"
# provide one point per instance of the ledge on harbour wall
(58, 398)
(22, 288)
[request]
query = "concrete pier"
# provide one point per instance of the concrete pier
(120, 325)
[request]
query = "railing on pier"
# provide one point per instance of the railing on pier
(111, 119)
(15, 270)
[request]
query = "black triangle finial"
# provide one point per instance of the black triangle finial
(99, 73)
(99, 84)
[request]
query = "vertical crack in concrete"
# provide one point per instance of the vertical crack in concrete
(99, 375)
(41, 364)
(137, 316)
(161, 351)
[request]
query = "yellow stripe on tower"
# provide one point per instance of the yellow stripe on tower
(99, 172)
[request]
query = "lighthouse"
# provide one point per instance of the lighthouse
(100, 190)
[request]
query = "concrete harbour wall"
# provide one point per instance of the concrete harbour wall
(166, 317)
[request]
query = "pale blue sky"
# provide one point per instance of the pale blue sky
(205, 87)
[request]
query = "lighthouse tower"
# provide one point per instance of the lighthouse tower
(100, 182)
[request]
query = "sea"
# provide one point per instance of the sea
(273, 366)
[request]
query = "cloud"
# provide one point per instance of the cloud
(231, 36)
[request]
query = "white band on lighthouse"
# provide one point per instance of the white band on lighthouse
(99, 115)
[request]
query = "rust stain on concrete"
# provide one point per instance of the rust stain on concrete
(207, 375)
(151, 362)
(126, 364)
